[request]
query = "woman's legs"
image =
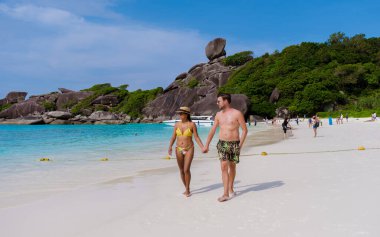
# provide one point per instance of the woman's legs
(181, 162)
(187, 164)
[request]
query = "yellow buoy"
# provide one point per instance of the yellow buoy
(44, 159)
(104, 159)
(264, 153)
(167, 157)
(361, 148)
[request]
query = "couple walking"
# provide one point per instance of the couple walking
(229, 121)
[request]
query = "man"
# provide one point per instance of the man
(230, 143)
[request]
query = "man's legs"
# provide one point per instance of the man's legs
(231, 177)
(225, 178)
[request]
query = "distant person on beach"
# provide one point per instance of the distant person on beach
(310, 122)
(229, 120)
(315, 125)
(183, 133)
(347, 117)
(285, 126)
(297, 120)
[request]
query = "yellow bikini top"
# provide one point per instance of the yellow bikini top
(186, 133)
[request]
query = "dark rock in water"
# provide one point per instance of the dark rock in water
(181, 76)
(69, 99)
(59, 114)
(22, 109)
(215, 48)
(274, 96)
(103, 115)
(106, 100)
(64, 90)
(15, 97)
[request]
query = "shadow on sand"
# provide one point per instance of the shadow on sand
(241, 190)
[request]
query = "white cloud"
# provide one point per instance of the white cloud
(44, 15)
(45, 44)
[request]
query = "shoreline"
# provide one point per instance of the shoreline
(143, 167)
(287, 194)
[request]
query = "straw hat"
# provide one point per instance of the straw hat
(184, 110)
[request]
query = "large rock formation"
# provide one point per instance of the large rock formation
(22, 109)
(197, 88)
(106, 100)
(15, 97)
(274, 96)
(215, 48)
(66, 100)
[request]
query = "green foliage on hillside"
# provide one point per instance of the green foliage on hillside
(342, 73)
(49, 106)
(192, 83)
(238, 59)
(136, 101)
(5, 106)
(131, 103)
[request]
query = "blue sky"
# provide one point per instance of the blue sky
(75, 44)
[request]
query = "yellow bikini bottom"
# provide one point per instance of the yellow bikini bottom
(183, 150)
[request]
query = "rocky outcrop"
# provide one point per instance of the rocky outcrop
(103, 115)
(15, 97)
(106, 100)
(64, 90)
(3, 102)
(22, 109)
(59, 114)
(274, 96)
(282, 112)
(215, 48)
(67, 100)
(51, 97)
(23, 121)
(208, 105)
(197, 88)
(181, 76)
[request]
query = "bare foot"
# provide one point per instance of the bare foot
(233, 194)
(223, 198)
(187, 193)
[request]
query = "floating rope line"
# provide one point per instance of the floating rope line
(310, 152)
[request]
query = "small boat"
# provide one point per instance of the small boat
(205, 121)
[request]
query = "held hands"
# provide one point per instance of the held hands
(205, 149)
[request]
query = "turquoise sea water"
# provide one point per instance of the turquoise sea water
(76, 151)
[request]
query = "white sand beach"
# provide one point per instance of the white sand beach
(305, 186)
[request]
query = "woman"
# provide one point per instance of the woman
(183, 132)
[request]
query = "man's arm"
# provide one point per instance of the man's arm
(244, 128)
(211, 133)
